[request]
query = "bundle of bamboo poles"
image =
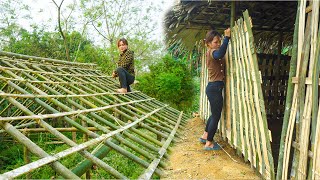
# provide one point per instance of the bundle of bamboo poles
(300, 133)
(42, 95)
(244, 121)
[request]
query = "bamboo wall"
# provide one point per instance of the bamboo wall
(301, 128)
(244, 121)
(54, 96)
(274, 71)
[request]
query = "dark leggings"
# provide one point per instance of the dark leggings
(125, 78)
(214, 94)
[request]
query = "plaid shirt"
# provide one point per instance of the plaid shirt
(126, 61)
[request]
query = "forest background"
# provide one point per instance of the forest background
(87, 31)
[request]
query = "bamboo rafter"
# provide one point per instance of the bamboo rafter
(37, 91)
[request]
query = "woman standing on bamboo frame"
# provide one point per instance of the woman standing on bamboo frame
(125, 70)
(215, 62)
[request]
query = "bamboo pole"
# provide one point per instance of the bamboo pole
(260, 106)
(61, 87)
(47, 64)
(58, 167)
(301, 93)
(232, 95)
(289, 96)
(51, 73)
(152, 167)
(255, 135)
(244, 91)
(316, 158)
(294, 102)
(166, 112)
(72, 129)
(20, 56)
(26, 156)
(239, 113)
(247, 83)
(315, 122)
(306, 108)
(122, 151)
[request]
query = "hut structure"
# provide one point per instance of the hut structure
(64, 100)
(272, 77)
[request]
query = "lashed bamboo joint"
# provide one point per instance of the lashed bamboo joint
(54, 96)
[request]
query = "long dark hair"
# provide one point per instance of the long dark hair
(210, 35)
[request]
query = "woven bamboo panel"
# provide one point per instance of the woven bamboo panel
(275, 73)
(41, 95)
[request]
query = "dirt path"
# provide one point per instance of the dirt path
(189, 161)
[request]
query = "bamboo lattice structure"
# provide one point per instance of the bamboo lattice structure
(244, 123)
(54, 96)
(301, 129)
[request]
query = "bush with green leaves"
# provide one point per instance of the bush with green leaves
(169, 81)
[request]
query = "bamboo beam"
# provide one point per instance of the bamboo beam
(40, 59)
(101, 128)
(64, 89)
(72, 129)
(51, 73)
(47, 64)
(58, 167)
(152, 167)
(315, 146)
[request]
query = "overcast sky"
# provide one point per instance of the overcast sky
(43, 10)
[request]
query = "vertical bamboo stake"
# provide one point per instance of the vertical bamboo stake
(227, 103)
(237, 94)
(289, 96)
(316, 157)
(244, 90)
(301, 95)
(255, 131)
(231, 93)
(315, 88)
(295, 92)
(249, 129)
(306, 119)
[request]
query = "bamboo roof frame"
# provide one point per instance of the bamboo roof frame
(38, 91)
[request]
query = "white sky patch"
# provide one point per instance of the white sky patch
(44, 14)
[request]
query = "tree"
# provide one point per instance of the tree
(120, 18)
(10, 12)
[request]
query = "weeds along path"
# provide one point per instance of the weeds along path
(188, 160)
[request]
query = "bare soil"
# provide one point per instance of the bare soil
(188, 160)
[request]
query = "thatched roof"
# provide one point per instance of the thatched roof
(188, 21)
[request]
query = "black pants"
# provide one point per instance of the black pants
(214, 94)
(125, 78)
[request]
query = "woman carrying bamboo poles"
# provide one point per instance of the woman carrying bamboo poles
(125, 70)
(215, 62)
